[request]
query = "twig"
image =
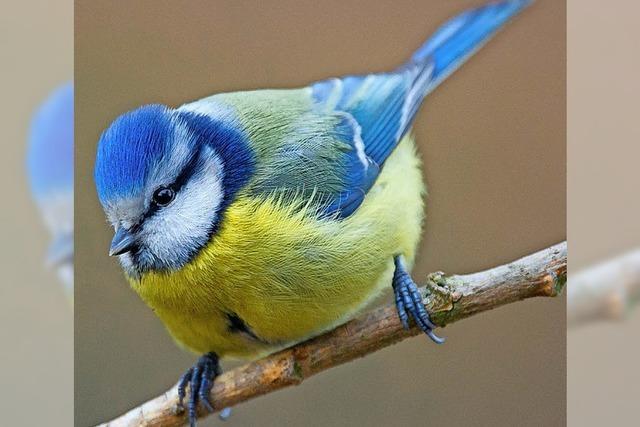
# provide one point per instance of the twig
(606, 291)
(449, 299)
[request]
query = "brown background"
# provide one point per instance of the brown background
(604, 203)
(493, 143)
(36, 320)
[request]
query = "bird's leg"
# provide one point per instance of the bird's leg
(409, 301)
(200, 379)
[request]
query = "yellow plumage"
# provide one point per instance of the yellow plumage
(285, 272)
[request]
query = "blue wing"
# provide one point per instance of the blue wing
(382, 107)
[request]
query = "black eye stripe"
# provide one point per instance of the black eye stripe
(194, 164)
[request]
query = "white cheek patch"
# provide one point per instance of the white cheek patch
(174, 232)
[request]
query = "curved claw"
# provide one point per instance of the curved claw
(182, 387)
(195, 382)
(409, 302)
(200, 379)
(208, 375)
(435, 338)
(225, 414)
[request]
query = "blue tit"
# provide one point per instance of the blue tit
(249, 221)
(50, 171)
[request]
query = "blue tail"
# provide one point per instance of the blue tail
(383, 106)
(460, 37)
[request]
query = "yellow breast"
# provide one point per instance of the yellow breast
(284, 272)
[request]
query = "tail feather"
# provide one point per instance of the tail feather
(384, 105)
(460, 37)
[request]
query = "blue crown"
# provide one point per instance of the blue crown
(129, 148)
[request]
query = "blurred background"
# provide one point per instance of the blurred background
(604, 207)
(493, 143)
(36, 317)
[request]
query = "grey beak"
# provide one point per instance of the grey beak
(122, 242)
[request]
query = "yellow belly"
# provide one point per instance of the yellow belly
(287, 274)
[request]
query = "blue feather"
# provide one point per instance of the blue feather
(384, 105)
(359, 170)
(128, 148)
(230, 144)
(460, 37)
(137, 142)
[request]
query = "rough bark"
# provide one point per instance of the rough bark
(449, 299)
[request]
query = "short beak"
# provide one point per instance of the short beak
(61, 250)
(122, 242)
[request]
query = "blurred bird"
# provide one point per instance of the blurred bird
(249, 221)
(50, 170)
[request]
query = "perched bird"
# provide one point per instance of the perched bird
(50, 172)
(249, 221)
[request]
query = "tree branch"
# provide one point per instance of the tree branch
(604, 291)
(448, 299)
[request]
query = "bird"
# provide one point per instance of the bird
(249, 221)
(49, 166)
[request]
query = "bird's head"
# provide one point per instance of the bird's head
(164, 178)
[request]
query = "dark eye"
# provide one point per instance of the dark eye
(163, 196)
